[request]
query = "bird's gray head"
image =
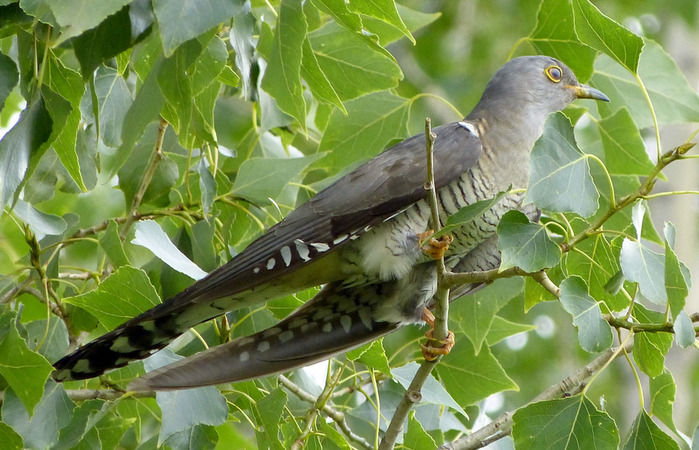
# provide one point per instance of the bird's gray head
(531, 87)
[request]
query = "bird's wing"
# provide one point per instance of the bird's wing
(363, 198)
(359, 200)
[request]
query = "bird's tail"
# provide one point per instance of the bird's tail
(334, 321)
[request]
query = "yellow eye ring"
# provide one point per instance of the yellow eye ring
(554, 73)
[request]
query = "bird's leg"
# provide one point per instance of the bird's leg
(430, 352)
(434, 248)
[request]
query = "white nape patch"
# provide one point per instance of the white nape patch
(244, 356)
(327, 328)
(271, 263)
(365, 317)
(82, 366)
(346, 322)
(469, 127)
(286, 255)
(320, 247)
(121, 345)
(286, 336)
(263, 346)
(340, 239)
(302, 249)
(271, 331)
(256, 270)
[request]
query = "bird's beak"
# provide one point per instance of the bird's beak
(584, 91)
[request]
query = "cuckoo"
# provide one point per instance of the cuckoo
(359, 238)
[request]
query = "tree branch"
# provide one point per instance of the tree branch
(502, 425)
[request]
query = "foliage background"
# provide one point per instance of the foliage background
(215, 103)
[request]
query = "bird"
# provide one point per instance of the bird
(361, 239)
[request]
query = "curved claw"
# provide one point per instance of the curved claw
(434, 248)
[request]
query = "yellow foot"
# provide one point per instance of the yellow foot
(434, 248)
(429, 351)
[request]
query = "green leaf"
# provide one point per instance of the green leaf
(384, 10)
(432, 391)
(371, 355)
(416, 437)
(10, 438)
(645, 267)
(112, 245)
(468, 213)
(82, 421)
(650, 348)
(371, 122)
(595, 261)
(674, 100)
(624, 150)
(569, 423)
(182, 20)
(202, 437)
(318, 83)
(8, 77)
(554, 35)
(114, 99)
(473, 314)
(114, 35)
(525, 244)
(684, 330)
(500, 329)
(677, 275)
(560, 178)
(472, 382)
(184, 409)
(387, 34)
(151, 236)
(51, 414)
(40, 222)
(270, 411)
(24, 370)
(124, 294)
(351, 65)
(260, 179)
(646, 435)
(282, 79)
(602, 33)
(662, 396)
(594, 333)
(24, 140)
(76, 16)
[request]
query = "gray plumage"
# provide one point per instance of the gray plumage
(357, 237)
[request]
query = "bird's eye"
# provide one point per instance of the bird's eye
(554, 73)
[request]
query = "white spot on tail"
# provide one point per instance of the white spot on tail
(263, 346)
(244, 356)
(365, 317)
(286, 336)
(346, 322)
(256, 270)
(271, 263)
(328, 327)
(286, 255)
(321, 247)
(271, 331)
(340, 239)
(302, 249)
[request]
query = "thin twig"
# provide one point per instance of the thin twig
(155, 159)
(335, 415)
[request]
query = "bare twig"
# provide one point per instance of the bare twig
(335, 415)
